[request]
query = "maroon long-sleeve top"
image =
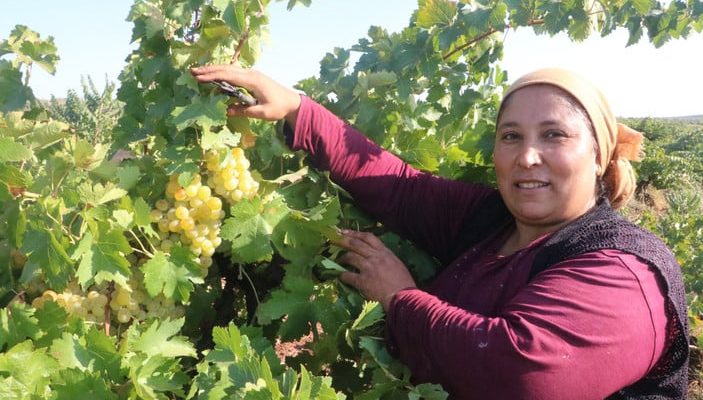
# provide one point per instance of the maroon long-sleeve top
(582, 329)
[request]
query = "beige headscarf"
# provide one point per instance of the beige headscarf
(617, 143)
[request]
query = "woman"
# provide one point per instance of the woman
(547, 293)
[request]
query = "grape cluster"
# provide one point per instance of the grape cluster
(190, 215)
(229, 174)
(133, 302)
(126, 303)
(90, 306)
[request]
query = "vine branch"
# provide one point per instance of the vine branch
(240, 45)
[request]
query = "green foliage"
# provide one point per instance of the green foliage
(79, 178)
(93, 115)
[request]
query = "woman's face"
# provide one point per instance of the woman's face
(545, 158)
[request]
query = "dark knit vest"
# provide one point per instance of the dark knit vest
(602, 228)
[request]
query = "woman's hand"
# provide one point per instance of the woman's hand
(275, 101)
(380, 273)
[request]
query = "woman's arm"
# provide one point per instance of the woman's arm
(424, 208)
(582, 329)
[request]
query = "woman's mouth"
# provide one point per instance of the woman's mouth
(531, 184)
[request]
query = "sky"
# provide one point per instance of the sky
(93, 39)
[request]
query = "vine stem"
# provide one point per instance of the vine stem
(141, 245)
(256, 295)
(532, 22)
(29, 73)
(240, 45)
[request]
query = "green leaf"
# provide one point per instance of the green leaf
(29, 48)
(33, 368)
(73, 384)
(45, 253)
(128, 176)
(48, 133)
(205, 112)
(314, 387)
(123, 218)
(294, 296)
(52, 320)
(371, 314)
(103, 257)
(642, 6)
(14, 95)
(13, 151)
(440, 13)
(17, 323)
(86, 156)
(13, 176)
(150, 16)
(233, 13)
(173, 276)
(249, 229)
(69, 352)
(98, 194)
(428, 391)
(142, 218)
(223, 138)
(159, 339)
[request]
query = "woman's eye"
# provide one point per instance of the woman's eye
(555, 134)
(509, 136)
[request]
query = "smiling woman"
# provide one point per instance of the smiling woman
(545, 162)
(548, 282)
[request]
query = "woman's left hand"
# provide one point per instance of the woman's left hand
(380, 273)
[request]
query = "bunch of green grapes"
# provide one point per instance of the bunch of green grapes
(89, 306)
(190, 215)
(132, 302)
(229, 174)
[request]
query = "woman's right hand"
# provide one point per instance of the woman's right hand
(274, 101)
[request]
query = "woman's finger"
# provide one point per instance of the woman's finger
(369, 238)
(354, 259)
(352, 243)
(351, 279)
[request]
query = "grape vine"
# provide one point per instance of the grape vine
(178, 253)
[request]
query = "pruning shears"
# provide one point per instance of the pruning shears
(236, 92)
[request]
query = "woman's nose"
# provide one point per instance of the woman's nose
(529, 156)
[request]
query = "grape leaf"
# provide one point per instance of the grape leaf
(159, 339)
(52, 321)
(123, 218)
(17, 323)
(427, 391)
(98, 194)
(13, 176)
(70, 353)
(13, 94)
(153, 375)
(148, 19)
(86, 156)
(29, 48)
(73, 384)
(371, 314)
(299, 237)
(204, 111)
(128, 176)
(249, 230)
(45, 253)
(435, 12)
(315, 387)
(13, 151)
(223, 138)
(47, 133)
(31, 367)
(173, 276)
(102, 258)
